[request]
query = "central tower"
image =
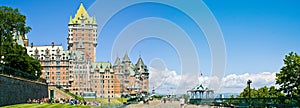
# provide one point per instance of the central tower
(82, 34)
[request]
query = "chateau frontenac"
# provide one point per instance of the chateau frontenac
(75, 68)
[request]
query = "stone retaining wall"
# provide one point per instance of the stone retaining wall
(15, 90)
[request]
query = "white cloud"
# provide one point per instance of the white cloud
(163, 80)
(236, 83)
(168, 81)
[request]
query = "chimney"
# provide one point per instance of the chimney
(52, 44)
(31, 44)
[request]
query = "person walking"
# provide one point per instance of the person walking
(182, 102)
(109, 101)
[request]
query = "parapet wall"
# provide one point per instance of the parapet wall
(15, 90)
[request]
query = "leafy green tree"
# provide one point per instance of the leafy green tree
(231, 96)
(273, 92)
(245, 93)
(263, 92)
(289, 76)
(12, 23)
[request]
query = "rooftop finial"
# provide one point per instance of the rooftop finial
(140, 54)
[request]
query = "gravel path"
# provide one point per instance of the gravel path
(158, 104)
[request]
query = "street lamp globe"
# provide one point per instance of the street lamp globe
(249, 82)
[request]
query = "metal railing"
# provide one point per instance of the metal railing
(245, 102)
(6, 70)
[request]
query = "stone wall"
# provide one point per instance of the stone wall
(15, 90)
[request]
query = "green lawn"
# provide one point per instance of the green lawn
(46, 105)
(104, 101)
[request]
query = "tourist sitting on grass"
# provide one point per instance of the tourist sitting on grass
(28, 100)
(71, 102)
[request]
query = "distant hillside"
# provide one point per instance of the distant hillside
(226, 95)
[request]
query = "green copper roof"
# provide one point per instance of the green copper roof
(126, 58)
(101, 66)
(131, 70)
(199, 87)
(140, 62)
(118, 61)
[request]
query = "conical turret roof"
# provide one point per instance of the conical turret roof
(140, 62)
(126, 58)
(118, 61)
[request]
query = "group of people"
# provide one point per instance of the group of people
(39, 101)
(165, 99)
(181, 100)
(62, 101)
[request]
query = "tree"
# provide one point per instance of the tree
(245, 93)
(231, 96)
(289, 76)
(273, 92)
(263, 92)
(12, 23)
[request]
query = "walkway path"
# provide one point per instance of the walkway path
(158, 104)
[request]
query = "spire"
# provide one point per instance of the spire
(126, 58)
(82, 16)
(94, 20)
(117, 62)
(81, 11)
(71, 20)
(140, 62)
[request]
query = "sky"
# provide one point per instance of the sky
(257, 34)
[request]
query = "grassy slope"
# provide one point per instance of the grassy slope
(104, 101)
(46, 105)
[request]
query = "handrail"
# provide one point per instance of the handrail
(6, 70)
(258, 102)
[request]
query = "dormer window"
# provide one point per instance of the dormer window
(57, 50)
(47, 51)
(36, 52)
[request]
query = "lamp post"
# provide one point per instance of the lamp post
(249, 89)
(47, 79)
(3, 63)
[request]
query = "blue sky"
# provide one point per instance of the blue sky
(257, 33)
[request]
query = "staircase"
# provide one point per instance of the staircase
(58, 93)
